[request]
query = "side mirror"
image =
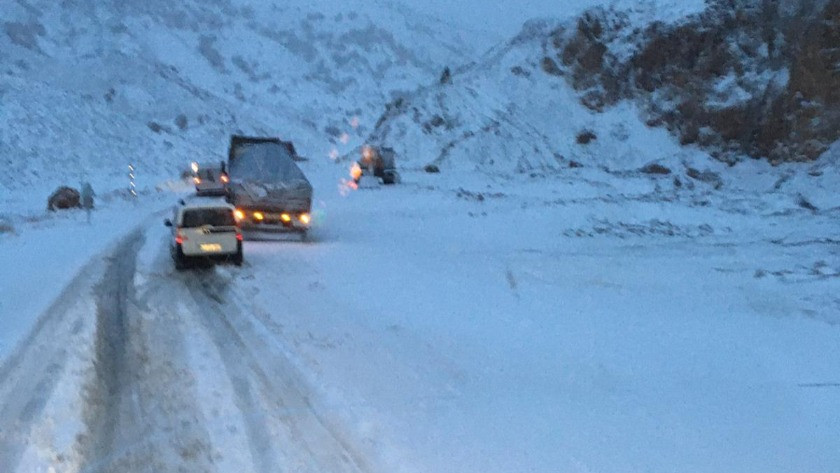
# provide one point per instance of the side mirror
(167, 222)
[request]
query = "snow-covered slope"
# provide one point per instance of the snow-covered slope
(592, 89)
(87, 87)
(508, 113)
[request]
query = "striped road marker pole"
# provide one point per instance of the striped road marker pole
(132, 187)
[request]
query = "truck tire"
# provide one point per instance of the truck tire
(391, 177)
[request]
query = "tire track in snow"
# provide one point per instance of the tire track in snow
(236, 369)
(139, 411)
(267, 381)
(132, 398)
(111, 362)
(30, 376)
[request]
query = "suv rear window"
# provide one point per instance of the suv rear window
(220, 217)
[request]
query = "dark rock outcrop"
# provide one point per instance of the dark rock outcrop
(654, 168)
(757, 78)
(64, 198)
(585, 137)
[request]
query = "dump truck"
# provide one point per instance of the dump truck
(267, 188)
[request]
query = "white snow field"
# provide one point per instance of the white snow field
(509, 314)
(579, 322)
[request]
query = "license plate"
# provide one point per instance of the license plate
(211, 247)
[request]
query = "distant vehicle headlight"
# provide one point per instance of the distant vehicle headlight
(286, 218)
(258, 216)
(305, 218)
(356, 171)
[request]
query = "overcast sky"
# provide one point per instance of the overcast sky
(502, 16)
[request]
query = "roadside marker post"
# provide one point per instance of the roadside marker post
(132, 187)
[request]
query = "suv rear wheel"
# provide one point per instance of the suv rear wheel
(180, 261)
(237, 258)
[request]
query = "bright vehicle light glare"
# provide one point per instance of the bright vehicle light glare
(225, 179)
(238, 215)
(286, 218)
(197, 180)
(356, 171)
(258, 216)
(194, 166)
(305, 218)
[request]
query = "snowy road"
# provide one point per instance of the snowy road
(168, 376)
(423, 331)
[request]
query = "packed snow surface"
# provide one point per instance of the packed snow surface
(587, 321)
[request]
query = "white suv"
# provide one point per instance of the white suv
(204, 232)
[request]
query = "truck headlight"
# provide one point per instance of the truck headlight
(305, 219)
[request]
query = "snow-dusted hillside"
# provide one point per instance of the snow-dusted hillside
(733, 80)
(507, 113)
(87, 87)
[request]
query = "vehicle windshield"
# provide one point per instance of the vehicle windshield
(219, 217)
(265, 162)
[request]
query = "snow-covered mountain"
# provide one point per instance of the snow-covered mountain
(87, 87)
(508, 113)
(734, 78)
(743, 78)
